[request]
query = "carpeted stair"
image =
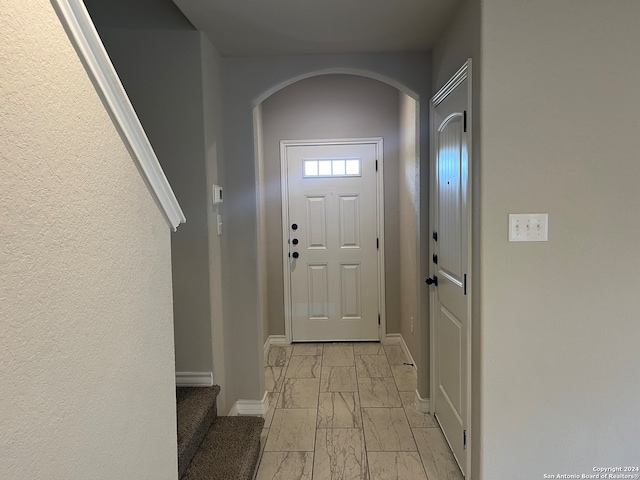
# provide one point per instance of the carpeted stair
(212, 447)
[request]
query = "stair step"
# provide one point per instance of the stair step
(196, 411)
(229, 451)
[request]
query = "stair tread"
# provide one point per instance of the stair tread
(196, 410)
(229, 451)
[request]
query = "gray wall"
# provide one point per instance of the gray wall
(247, 82)
(460, 41)
(173, 76)
(560, 319)
(330, 107)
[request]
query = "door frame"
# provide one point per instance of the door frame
(464, 73)
(284, 182)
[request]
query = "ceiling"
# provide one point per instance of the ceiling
(240, 28)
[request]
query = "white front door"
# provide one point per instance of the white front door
(332, 241)
(451, 247)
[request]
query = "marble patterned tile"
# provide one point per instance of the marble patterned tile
(307, 349)
(339, 410)
(273, 378)
(416, 418)
(368, 348)
(299, 393)
(278, 356)
(387, 430)
(273, 402)
(395, 466)
(335, 355)
(340, 454)
(338, 379)
(405, 377)
(436, 456)
(395, 355)
(292, 430)
(378, 392)
(307, 366)
(285, 466)
(373, 366)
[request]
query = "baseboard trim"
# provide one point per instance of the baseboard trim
(194, 379)
(422, 404)
(273, 340)
(250, 407)
(398, 339)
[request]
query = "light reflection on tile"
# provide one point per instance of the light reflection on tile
(285, 466)
(436, 457)
(395, 466)
(340, 454)
(304, 367)
(339, 410)
(387, 430)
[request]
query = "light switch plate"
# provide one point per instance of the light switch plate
(528, 227)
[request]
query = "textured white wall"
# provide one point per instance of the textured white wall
(86, 349)
(560, 319)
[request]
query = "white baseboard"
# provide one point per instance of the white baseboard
(194, 379)
(273, 340)
(422, 404)
(250, 407)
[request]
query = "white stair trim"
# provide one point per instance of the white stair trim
(194, 379)
(84, 37)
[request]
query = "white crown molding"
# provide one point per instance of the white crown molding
(194, 379)
(85, 38)
(250, 407)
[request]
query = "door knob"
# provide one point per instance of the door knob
(432, 281)
(295, 254)
(294, 226)
(294, 241)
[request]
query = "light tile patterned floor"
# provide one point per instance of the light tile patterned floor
(347, 411)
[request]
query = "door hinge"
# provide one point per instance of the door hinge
(465, 283)
(464, 440)
(435, 236)
(377, 162)
(378, 243)
(378, 319)
(464, 126)
(435, 258)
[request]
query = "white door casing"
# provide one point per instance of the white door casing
(451, 246)
(332, 205)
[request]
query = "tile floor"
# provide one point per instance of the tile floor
(347, 411)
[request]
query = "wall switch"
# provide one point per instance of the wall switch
(528, 227)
